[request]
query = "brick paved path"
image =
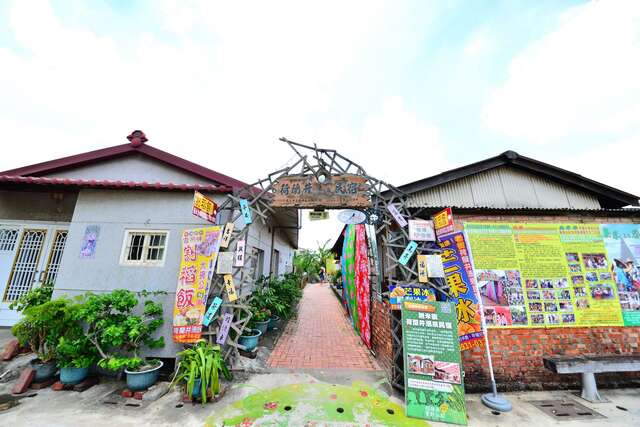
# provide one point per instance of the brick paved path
(321, 336)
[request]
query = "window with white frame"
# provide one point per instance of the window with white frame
(144, 247)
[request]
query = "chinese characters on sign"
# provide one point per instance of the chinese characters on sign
(421, 230)
(306, 191)
(395, 213)
(412, 292)
(246, 211)
(423, 274)
(204, 208)
(443, 222)
(227, 318)
(433, 376)
(238, 260)
(230, 287)
(226, 235)
(199, 252)
(213, 309)
(459, 277)
(408, 251)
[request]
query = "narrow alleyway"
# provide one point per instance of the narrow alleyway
(321, 336)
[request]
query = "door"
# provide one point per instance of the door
(30, 256)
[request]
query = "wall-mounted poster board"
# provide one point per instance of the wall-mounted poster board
(545, 275)
(433, 377)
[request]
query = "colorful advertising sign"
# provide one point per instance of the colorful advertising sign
(623, 248)
(544, 275)
(443, 222)
(433, 376)
(199, 252)
(204, 208)
(412, 292)
(459, 277)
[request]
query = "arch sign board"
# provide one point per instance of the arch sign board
(305, 191)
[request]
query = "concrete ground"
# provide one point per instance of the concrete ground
(255, 392)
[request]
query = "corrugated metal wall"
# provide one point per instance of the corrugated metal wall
(504, 187)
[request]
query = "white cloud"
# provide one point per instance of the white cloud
(480, 43)
(579, 79)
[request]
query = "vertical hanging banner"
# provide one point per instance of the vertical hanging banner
(199, 252)
(226, 235)
(238, 260)
(408, 251)
(363, 286)
(246, 211)
(421, 230)
(204, 208)
(395, 213)
(459, 277)
(423, 275)
(349, 273)
(227, 318)
(213, 309)
(230, 288)
(433, 384)
(443, 222)
(89, 241)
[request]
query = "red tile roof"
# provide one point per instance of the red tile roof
(66, 182)
(116, 151)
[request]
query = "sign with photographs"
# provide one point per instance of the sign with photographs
(199, 252)
(306, 192)
(411, 292)
(433, 377)
(544, 275)
(204, 207)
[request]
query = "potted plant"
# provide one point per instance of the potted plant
(249, 338)
(119, 335)
(260, 319)
(199, 368)
(75, 355)
(41, 327)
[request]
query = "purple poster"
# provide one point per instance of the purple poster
(224, 328)
(89, 241)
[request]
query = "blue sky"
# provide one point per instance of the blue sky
(407, 89)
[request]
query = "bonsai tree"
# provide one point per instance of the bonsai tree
(42, 325)
(118, 334)
(74, 350)
(202, 362)
(35, 296)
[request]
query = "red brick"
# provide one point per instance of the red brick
(138, 395)
(23, 382)
(11, 349)
(126, 393)
(58, 386)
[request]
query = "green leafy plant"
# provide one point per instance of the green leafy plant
(42, 325)
(202, 361)
(75, 351)
(34, 297)
(116, 332)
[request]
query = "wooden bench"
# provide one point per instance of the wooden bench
(588, 366)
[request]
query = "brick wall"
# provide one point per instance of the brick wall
(381, 341)
(517, 353)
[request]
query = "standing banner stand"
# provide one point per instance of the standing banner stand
(492, 400)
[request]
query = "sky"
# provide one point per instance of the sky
(407, 89)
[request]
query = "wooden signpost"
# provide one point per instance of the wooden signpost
(307, 192)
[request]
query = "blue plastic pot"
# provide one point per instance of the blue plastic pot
(142, 380)
(44, 371)
(262, 326)
(274, 322)
(73, 375)
(197, 388)
(250, 342)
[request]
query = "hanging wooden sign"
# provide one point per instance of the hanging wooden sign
(238, 260)
(226, 235)
(408, 251)
(230, 288)
(395, 213)
(227, 318)
(246, 211)
(225, 263)
(423, 276)
(211, 311)
(306, 192)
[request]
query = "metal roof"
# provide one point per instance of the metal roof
(578, 190)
